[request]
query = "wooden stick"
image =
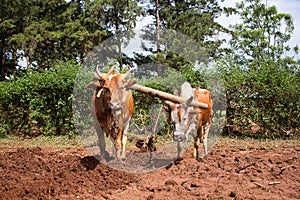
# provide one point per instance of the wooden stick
(238, 171)
(274, 182)
(165, 96)
(259, 185)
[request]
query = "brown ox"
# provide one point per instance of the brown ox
(194, 121)
(112, 109)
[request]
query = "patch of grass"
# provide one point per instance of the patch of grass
(41, 141)
(256, 143)
(76, 142)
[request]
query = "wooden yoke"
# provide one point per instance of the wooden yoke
(165, 96)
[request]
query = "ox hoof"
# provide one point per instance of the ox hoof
(123, 156)
(200, 159)
(105, 156)
(177, 161)
(119, 159)
(119, 156)
(150, 165)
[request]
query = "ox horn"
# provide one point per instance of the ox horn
(97, 73)
(176, 93)
(188, 101)
(112, 68)
(127, 73)
(170, 104)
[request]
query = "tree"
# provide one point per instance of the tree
(121, 17)
(264, 32)
(57, 30)
(12, 22)
(194, 19)
(262, 82)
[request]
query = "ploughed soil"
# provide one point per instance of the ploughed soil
(234, 169)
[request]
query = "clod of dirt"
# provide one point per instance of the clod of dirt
(171, 182)
(232, 194)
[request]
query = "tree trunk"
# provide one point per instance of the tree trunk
(2, 70)
(157, 22)
(228, 128)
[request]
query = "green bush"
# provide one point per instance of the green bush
(266, 94)
(57, 101)
(38, 103)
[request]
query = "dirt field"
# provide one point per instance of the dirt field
(234, 169)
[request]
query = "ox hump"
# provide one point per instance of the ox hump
(186, 90)
(111, 76)
(202, 91)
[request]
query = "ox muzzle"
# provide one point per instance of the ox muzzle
(115, 106)
(179, 137)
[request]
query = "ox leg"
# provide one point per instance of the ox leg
(198, 140)
(179, 149)
(205, 139)
(196, 147)
(124, 139)
(117, 148)
(118, 144)
(114, 149)
(205, 145)
(101, 143)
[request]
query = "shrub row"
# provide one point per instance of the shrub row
(38, 103)
(265, 96)
(41, 103)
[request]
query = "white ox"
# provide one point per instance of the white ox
(189, 120)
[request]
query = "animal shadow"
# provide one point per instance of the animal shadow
(175, 162)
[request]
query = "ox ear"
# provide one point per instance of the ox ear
(167, 108)
(170, 105)
(92, 85)
(188, 102)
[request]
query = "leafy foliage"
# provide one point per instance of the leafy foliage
(57, 30)
(262, 82)
(196, 19)
(38, 103)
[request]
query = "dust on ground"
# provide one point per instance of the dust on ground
(234, 169)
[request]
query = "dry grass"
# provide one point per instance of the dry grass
(257, 143)
(75, 142)
(41, 141)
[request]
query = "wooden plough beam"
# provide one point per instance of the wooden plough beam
(164, 95)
